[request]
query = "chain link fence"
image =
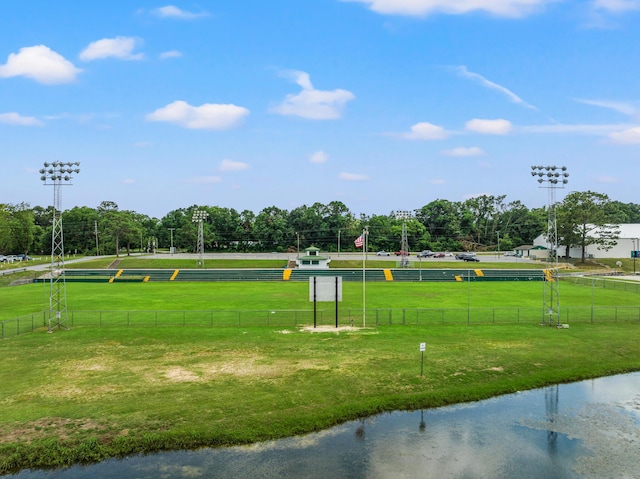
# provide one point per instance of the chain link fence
(323, 317)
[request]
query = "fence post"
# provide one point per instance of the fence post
(18, 322)
(3, 329)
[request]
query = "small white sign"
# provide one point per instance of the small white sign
(423, 347)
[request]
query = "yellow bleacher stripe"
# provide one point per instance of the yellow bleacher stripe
(388, 275)
(146, 279)
(286, 274)
(119, 273)
(478, 272)
(549, 275)
(175, 273)
(111, 279)
(458, 278)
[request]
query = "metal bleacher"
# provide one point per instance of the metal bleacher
(277, 274)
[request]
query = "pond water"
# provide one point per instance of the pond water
(589, 429)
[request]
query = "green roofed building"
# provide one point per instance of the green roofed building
(313, 260)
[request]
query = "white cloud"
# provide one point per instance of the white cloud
(502, 8)
(128, 181)
(616, 6)
(630, 136)
(425, 131)
(119, 47)
(171, 54)
(319, 157)
(489, 127)
(624, 108)
(41, 64)
(462, 70)
(311, 103)
(171, 11)
(204, 180)
(352, 176)
(230, 165)
(463, 151)
(17, 119)
(209, 116)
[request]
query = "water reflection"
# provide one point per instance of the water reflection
(581, 430)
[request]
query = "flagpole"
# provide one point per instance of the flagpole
(365, 238)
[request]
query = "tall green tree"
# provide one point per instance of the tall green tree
(272, 229)
(17, 228)
(584, 218)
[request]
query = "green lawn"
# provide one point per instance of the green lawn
(31, 298)
(90, 393)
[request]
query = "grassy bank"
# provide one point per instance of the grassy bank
(87, 394)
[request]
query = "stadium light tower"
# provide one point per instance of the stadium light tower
(199, 216)
(404, 243)
(551, 178)
(57, 174)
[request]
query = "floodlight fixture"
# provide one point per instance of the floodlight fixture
(551, 177)
(199, 216)
(56, 174)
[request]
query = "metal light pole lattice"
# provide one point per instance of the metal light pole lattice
(552, 178)
(199, 216)
(404, 243)
(57, 174)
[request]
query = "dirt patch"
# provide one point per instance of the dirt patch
(181, 375)
(329, 329)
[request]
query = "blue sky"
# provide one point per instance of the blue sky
(382, 104)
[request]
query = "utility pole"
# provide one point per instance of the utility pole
(171, 248)
(95, 225)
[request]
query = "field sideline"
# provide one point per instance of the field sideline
(91, 393)
(31, 298)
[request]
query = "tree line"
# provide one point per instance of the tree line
(479, 223)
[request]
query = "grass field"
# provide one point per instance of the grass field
(90, 393)
(31, 298)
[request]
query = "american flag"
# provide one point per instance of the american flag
(359, 242)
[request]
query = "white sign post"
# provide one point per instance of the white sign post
(423, 348)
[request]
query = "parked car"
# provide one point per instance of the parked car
(402, 253)
(460, 255)
(470, 257)
(425, 254)
(383, 253)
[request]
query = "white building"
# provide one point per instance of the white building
(313, 260)
(628, 241)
